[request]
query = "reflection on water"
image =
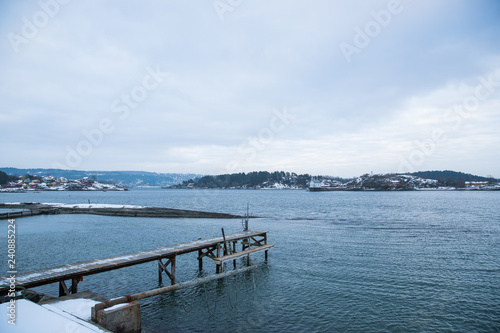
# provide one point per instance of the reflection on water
(343, 261)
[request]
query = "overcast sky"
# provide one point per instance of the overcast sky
(336, 88)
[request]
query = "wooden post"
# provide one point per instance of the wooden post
(265, 242)
(200, 260)
(74, 285)
(160, 272)
(163, 268)
(226, 251)
(63, 289)
(172, 269)
(234, 251)
(217, 267)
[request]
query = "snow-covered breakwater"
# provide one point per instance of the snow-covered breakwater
(117, 210)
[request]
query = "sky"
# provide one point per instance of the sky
(324, 87)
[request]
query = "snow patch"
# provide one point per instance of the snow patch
(31, 317)
(63, 205)
(79, 307)
(115, 307)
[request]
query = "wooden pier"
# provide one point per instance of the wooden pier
(219, 249)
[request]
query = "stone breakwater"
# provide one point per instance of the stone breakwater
(117, 210)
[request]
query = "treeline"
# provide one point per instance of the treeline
(254, 179)
(264, 179)
(453, 178)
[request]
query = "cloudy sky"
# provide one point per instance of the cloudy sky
(324, 87)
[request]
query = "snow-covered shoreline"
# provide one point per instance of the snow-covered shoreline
(81, 206)
(24, 184)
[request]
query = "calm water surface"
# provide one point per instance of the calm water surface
(343, 261)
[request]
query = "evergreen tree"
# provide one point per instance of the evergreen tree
(4, 178)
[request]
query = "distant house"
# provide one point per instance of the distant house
(476, 184)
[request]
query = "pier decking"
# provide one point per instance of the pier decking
(218, 249)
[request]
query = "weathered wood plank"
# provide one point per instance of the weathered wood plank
(219, 260)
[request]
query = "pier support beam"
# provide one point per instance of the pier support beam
(163, 267)
(234, 251)
(200, 260)
(219, 268)
(63, 289)
(265, 243)
(209, 253)
(74, 284)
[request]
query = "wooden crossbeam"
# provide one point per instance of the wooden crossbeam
(253, 241)
(209, 253)
(163, 267)
(258, 242)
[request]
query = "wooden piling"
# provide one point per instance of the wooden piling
(225, 243)
(172, 270)
(63, 289)
(200, 259)
(265, 243)
(218, 266)
(74, 284)
(160, 272)
(234, 251)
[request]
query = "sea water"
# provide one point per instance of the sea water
(342, 261)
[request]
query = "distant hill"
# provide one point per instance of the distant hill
(287, 180)
(452, 178)
(129, 178)
(254, 180)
